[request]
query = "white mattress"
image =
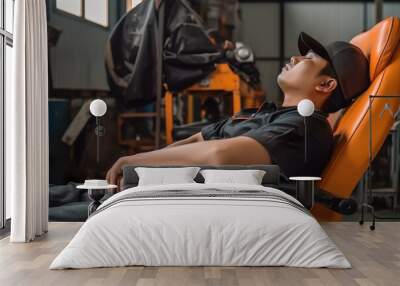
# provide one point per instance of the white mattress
(200, 231)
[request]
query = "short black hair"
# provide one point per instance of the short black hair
(328, 70)
(328, 105)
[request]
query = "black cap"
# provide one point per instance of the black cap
(349, 64)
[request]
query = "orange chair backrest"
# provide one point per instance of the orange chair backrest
(350, 158)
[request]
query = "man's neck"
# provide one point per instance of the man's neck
(292, 100)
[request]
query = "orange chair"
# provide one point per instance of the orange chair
(350, 158)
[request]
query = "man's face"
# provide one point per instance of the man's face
(302, 74)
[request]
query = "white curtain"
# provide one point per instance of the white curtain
(27, 124)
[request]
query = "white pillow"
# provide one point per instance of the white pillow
(163, 176)
(248, 177)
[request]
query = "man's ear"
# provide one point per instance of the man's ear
(327, 86)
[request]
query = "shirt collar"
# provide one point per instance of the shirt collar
(272, 107)
(284, 108)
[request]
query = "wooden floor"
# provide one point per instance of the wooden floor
(375, 257)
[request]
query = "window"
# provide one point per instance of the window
(95, 11)
(9, 12)
(6, 64)
(130, 4)
(73, 7)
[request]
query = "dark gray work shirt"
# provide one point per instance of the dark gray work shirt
(281, 131)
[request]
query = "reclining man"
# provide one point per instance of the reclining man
(331, 77)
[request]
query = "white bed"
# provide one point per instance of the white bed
(183, 231)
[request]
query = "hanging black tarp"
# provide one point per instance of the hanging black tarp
(131, 53)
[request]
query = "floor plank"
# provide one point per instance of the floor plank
(375, 257)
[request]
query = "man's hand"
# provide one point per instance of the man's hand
(115, 173)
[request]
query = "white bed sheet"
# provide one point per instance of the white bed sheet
(200, 231)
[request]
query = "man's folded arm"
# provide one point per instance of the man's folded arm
(239, 150)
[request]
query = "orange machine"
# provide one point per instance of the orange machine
(223, 79)
(350, 158)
